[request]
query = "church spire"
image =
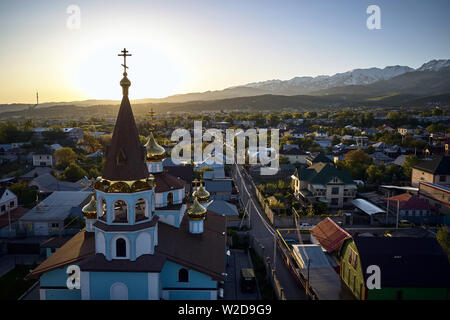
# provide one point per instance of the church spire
(125, 155)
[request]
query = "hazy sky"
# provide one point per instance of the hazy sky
(192, 46)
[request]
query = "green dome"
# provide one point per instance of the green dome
(154, 150)
(90, 210)
(201, 193)
(196, 211)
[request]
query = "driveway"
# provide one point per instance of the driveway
(232, 290)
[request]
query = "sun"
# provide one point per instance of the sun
(153, 72)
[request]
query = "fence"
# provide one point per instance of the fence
(277, 221)
(270, 272)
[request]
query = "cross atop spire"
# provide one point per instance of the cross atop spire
(125, 83)
(124, 55)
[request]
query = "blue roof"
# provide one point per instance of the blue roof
(218, 186)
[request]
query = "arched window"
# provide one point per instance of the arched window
(140, 209)
(183, 275)
(103, 209)
(119, 291)
(169, 199)
(121, 248)
(120, 211)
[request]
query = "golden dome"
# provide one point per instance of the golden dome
(90, 210)
(154, 151)
(201, 194)
(196, 211)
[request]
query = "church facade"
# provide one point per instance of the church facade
(142, 240)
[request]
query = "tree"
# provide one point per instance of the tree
(74, 172)
(358, 156)
(64, 157)
(311, 114)
(91, 143)
(24, 193)
(410, 161)
(444, 240)
(357, 162)
(310, 211)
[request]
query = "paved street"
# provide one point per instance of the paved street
(238, 259)
(263, 232)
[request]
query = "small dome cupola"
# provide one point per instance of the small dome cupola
(90, 213)
(90, 210)
(196, 214)
(201, 194)
(154, 151)
(196, 211)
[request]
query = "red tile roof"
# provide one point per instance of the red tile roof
(330, 235)
(15, 215)
(409, 202)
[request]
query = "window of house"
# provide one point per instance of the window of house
(442, 178)
(2, 208)
(11, 204)
(334, 190)
(183, 275)
(55, 225)
(352, 258)
(334, 201)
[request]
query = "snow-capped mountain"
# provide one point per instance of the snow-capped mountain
(435, 65)
(305, 85)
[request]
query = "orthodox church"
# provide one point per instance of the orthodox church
(142, 240)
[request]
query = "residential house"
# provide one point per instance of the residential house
(405, 130)
(410, 206)
(43, 159)
(48, 216)
(322, 182)
(316, 158)
(8, 200)
(330, 236)
(219, 189)
(411, 268)
(74, 134)
(295, 155)
(436, 195)
(436, 171)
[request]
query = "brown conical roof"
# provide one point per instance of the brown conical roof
(125, 157)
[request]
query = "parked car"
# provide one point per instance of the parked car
(405, 224)
(248, 280)
(305, 225)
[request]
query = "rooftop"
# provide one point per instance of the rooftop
(57, 206)
(439, 165)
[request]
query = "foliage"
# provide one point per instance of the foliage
(25, 194)
(443, 239)
(64, 157)
(410, 161)
(74, 172)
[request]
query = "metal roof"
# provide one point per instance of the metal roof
(57, 206)
(367, 207)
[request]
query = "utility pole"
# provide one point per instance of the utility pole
(307, 278)
(274, 252)
(387, 206)
(398, 209)
(9, 217)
